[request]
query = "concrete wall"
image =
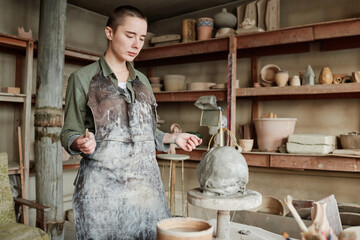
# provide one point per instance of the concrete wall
(84, 30)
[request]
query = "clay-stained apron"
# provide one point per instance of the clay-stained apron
(119, 193)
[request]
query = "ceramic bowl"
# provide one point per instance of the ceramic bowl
(350, 141)
(174, 82)
(225, 32)
(200, 86)
(246, 144)
(219, 86)
(154, 80)
(156, 87)
(267, 74)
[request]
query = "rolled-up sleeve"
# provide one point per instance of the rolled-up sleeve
(159, 141)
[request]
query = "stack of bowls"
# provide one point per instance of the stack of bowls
(174, 82)
(155, 84)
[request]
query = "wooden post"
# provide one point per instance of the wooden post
(48, 113)
(231, 115)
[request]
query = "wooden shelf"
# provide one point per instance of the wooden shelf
(15, 98)
(13, 42)
(291, 161)
(345, 33)
(13, 168)
(346, 90)
(76, 56)
(188, 96)
(183, 52)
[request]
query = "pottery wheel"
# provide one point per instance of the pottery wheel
(224, 204)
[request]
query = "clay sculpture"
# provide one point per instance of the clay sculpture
(223, 171)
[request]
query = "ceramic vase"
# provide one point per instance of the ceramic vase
(320, 222)
(204, 28)
(224, 19)
(188, 30)
(326, 76)
(295, 81)
(281, 78)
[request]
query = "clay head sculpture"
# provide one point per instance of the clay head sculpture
(223, 171)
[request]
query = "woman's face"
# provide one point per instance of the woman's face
(126, 43)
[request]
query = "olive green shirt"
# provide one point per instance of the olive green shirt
(78, 115)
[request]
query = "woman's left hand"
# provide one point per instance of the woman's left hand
(187, 141)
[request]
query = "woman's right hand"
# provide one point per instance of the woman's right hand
(84, 144)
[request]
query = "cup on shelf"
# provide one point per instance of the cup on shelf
(246, 144)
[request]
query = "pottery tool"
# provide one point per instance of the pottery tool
(288, 203)
(87, 134)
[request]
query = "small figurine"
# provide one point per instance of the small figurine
(308, 77)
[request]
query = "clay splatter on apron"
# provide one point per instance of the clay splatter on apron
(119, 193)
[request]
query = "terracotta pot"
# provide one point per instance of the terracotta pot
(184, 229)
(174, 82)
(326, 76)
(204, 28)
(281, 78)
(273, 132)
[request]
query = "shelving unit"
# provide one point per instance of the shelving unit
(335, 35)
(20, 48)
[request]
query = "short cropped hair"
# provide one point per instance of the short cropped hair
(118, 15)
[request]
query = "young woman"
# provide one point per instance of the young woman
(118, 191)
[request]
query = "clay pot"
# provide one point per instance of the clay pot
(267, 75)
(350, 141)
(246, 144)
(154, 80)
(184, 228)
(326, 76)
(204, 28)
(281, 78)
(174, 82)
(188, 30)
(156, 87)
(224, 19)
(273, 132)
(295, 81)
